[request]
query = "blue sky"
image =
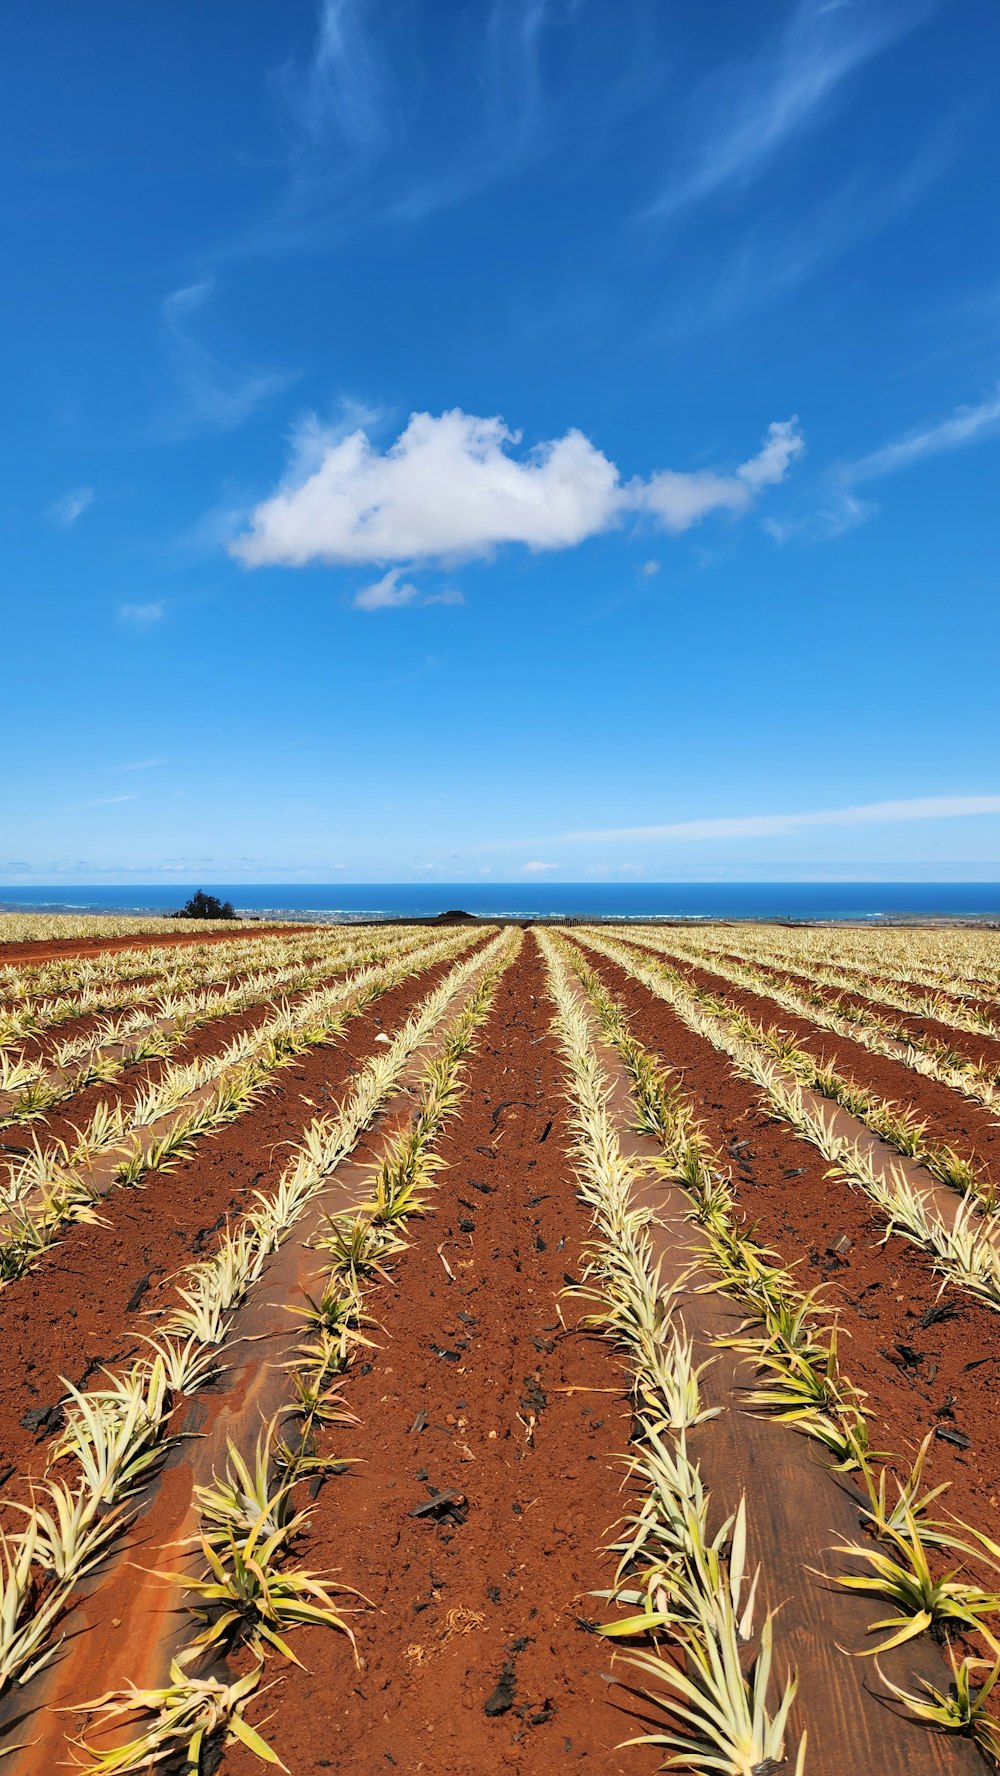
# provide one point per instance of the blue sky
(521, 438)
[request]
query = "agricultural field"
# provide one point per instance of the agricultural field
(485, 1349)
(77, 933)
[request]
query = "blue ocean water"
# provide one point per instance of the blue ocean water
(629, 900)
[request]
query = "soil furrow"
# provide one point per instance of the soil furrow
(475, 1659)
(926, 1362)
(973, 1047)
(970, 1128)
(62, 1122)
(40, 949)
(797, 968)
(134, 1591)
(795, 1508)
(87, 1300)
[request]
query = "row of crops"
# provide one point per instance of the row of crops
(66, 928)
(725, 1198)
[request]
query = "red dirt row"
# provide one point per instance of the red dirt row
(43, 1046)
(63, 1120)
(41, 949)
(964, 1042)
(475, 1655)
(85, 1303)
(921, 1372)
(224, 1028)
(475, 1659)
(955, 1120)
(796, 970)
(47, 1040)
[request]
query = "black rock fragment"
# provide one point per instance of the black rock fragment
(503, 1695)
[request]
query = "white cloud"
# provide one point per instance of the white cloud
(450, 595)
(649, 568)
(781, 446)
(142, 614)
(212, 396)
(450, 488)
(537, 869)
(844, 509)
(70, 506)
(386, 593)
(389, 594)
(446, 488)
(965, 426)
(680, 500)
(745, 115)
(755, 826)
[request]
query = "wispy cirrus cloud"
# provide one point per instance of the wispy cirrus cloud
(380, 128)
(106, 801)
(143, 615)
(70, 506)
(967, 425)
(451, 488)
(341, 91)
(210, 395)
(844, 507)
(777, 251)
(747, 113)
(756, 826)
(366, 141)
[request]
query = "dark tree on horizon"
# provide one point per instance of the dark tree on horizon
(206, 906)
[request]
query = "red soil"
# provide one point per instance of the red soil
(48, 1040)
(86, 1302)
(40, 949)
(965, 1042)
(918, 1378)
(474, 1658)
(970, 1128)
(796, 971)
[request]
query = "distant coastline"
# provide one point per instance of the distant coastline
(875, 902)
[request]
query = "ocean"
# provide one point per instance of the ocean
(340, 901)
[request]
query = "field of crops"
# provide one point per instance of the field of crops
(478, 1350)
